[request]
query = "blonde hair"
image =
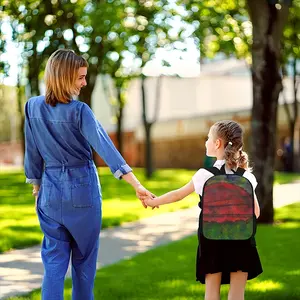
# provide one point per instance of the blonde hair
(231, 133)
(60, 75)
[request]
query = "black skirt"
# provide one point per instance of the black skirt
(226, 257)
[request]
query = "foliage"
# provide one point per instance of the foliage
(291, 48)
(91, 28)
(221, 26)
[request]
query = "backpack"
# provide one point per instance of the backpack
(227, 206)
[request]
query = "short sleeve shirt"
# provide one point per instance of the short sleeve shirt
(202, 175)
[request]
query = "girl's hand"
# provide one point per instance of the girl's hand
(143, 193)
(150, 202)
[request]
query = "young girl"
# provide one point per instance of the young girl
(60, 133)
(221, 262)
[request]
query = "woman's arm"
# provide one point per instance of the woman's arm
(256, 207)
(33, 161)
(100, 141)
(172, 196)
(132, 180)
(141, 192)
(98, 138)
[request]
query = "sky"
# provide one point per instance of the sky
(10, 55)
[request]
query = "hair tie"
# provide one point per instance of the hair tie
(230, 143)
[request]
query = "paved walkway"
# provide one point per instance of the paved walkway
(21, 270)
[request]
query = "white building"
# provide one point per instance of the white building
(224, 88)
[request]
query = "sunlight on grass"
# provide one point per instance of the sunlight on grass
(172, 283)
(282, 178)
(294, 272)
(289, 225)
(19, 224)
(168, 272)
(265, 286)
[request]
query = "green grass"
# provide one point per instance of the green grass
(282, 178)
(168, 272)
(19, 226)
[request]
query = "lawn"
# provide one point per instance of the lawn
(19, 225)
(167, 272)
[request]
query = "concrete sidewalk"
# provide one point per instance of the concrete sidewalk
(21, 270)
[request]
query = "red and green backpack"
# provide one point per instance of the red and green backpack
(227, 206)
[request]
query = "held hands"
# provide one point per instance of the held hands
(143, 194)
(150, 202)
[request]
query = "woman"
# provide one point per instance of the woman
(59, 136)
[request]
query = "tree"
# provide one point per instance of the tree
(152, 21)
(143, 31)
(268, 20)
(291, 56)
(45, 26)
(224, 26)
(220, 26)
(4, 66)
(117, 100)
(41, 27)
(93, 29)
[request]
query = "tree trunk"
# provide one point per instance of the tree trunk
(22, 118)
(148, 149)
(120, 120)
(33, 75)
(268, 23)
(292, 116)
(295, 116)
(147, 127)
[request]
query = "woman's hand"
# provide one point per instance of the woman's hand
(35, 193)
(143, 194)
(36, 202)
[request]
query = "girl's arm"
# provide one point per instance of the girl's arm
(256, 207)
(172, 196)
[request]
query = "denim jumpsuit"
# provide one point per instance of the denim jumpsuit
(58, 157)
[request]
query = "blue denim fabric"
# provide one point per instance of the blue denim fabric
(69, 211)
(64, 135)
(58, 157)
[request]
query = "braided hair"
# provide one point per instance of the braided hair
(231, 133)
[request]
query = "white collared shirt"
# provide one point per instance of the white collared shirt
(202, 175)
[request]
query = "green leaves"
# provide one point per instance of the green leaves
(291, 49)
(220, 26)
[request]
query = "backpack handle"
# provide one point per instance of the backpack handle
(216, 171)
(240, 171)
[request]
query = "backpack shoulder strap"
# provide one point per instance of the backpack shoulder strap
(222, 170)
(213, 170)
